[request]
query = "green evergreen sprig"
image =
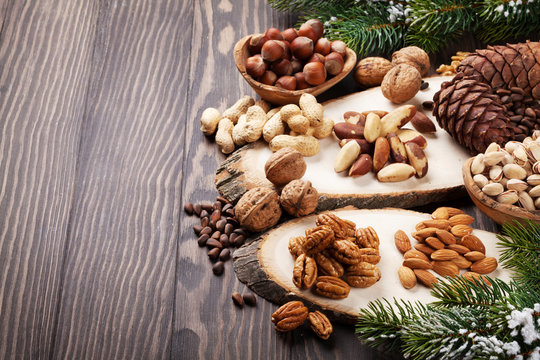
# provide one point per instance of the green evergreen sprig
(381, 27)
(469, 319)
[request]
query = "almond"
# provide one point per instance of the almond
(461, 219)
(437, 223)
(461, 262)
(426, 249)
(425, 277)
(444, 254)
(471, 276)
(446, 237)
(413, 253)
(415, 263)
(445, 268)
(422, 123)
(474, 256)
(403, 244)
(407, 277)
(420, 226)
(421, 235)
(434, 243)
(460, 249)
(452, 211)
(461, 230)
(484, 266)
(473, 243)
(440, 213)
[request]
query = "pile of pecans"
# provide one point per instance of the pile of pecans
(445, 245)
(511, 175)
(294, 313)
(218, 231)
(523, 111)
(332, 250)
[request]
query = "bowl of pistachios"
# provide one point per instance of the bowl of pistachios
(504, 181)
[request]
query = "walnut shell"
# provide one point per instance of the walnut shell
(285, 165)
(401, 83)
(370, 71)
(299, 198)
(413, 56)
(258, 209)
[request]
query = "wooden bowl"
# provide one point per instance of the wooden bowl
(500, 213)
(280, 96)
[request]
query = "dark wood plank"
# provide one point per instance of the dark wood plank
(118, 294)
(45, 54)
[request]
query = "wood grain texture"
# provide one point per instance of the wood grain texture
(45, 58)
(118, 293)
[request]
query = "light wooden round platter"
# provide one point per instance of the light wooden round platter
(244, 169)
(266, 265)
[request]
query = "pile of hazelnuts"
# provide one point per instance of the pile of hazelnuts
(294, 59)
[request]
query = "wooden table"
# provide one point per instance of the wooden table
(99, 149)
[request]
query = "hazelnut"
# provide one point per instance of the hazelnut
(256, 42)
(302, 47)
(273, 34)
(334, 63)
(401, 83)
(314, 28)
(322, 46)
(289, 34)
(308, 31)
(288, 52)
(282, 67)
(299, 198)
(413, 56)
(255, 65)
(272, 50)
(316, 57)
(285, 165)
(315, 73)
(339, 46)
(268, 78)
(258, 209)
(370, 71)
(301, 82)
(286, 82)
(297, 65)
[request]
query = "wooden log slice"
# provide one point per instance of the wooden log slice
(265, 265)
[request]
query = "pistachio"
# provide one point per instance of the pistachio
(516, 184)
(493, 158)
(533, 180)
(508, 197)
(493, 189)
(514, 171)
(496, 173)
(508, 159)
(481, 181)
(510, 146)
(536, 168)
(526, 201)
(493, 147)
(520, 156)
(537, 203)
(477, 166)
(534, 150)
(535, 191)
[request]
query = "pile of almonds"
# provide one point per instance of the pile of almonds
(297, 126)
(294, 313)
(371, 139)
(219, 230)
(445, 245)
(332, 250)
(295, 59)
(511, 175)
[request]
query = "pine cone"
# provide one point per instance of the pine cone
(513, 65)
(467, 109)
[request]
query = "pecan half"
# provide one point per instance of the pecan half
(370, 255)
(342, 228)
(318, 239)
(290, 316)
(332, 287)
(345, 251)
(320, 324)
(362, 275)
(367, 238)
(296, 245)
(304, 272)
(327, 265)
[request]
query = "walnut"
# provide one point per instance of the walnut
(299, 198)
(370, 71)
(258, 209)
(401, 83)
(413, 56)
(285, 165)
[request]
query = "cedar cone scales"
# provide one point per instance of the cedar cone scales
(467, 109)
(513, 65)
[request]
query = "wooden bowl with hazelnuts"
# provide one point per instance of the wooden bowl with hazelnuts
(282, 65)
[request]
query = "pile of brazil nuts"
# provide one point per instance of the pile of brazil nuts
(297, 126)
(511, 175)
(445, 245)
(371, 139)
